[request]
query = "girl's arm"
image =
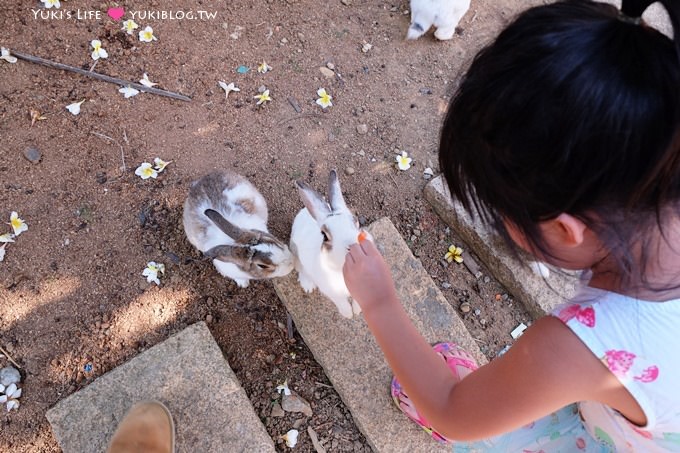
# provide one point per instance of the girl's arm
(547, 369)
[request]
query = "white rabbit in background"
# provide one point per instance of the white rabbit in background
(444, 15)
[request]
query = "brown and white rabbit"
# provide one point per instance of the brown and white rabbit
(225, 217)
(443, 14)
(321, 235)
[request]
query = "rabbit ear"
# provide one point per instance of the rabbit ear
(229, 254)
(237, 234)
(335, 198)
(313, 201)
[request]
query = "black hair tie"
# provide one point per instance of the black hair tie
(628, 19)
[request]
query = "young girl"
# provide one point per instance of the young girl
(565, 136)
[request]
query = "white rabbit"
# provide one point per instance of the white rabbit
(225, 217)
(321, 235)
(443, 14)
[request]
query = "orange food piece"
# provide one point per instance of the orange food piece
(362, 236)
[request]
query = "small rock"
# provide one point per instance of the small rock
(284, 41)
(9, 375)
(270, 358)
(362, 153)
(366, 47)
(208, 319)
(362, 220)
(294, 403)
(487, 279)
(297, 423)
(446, 285)
(101, 177)
(277, 411)
(465, 307)
(425, 91)
(349, 171)
(416, 232)
(32, 154)
(478, 312)
(346, 2)
(362, 129)
(330, 66)
(328, 73)
(301, 37)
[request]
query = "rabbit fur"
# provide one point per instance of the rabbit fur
(322, 233)
(443, 14)
(225, 217)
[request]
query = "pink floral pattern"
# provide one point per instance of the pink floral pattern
(649, 374)
(585, 316)
(619, 362)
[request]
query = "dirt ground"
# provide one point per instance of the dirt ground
(72, 295)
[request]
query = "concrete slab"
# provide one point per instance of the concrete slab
(539, 295)
(352, 359)
(190, 375)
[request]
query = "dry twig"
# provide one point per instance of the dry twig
(96, 75)
(9, 357)
(122, 153)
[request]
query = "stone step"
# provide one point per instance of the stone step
(352, 359)
(190, 375)
(539, 295)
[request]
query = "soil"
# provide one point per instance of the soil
(73, 302)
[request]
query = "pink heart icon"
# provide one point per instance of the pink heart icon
(116, 13)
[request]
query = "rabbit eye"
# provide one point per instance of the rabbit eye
(262, 266)
(325, 236)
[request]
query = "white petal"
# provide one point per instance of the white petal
(2, 388)
(291, 437)
(128, 92)
(11, 389)
(16, 394)
(75, 107)
(3, 399)
(540, 269)
(12, 404)
(103, 53)
(2, 254)
(7, 237)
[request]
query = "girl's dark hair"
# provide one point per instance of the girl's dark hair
(575, 108)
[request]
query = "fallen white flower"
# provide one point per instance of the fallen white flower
(147, 35)
(7, 237)
(228, 88)
(75, 107)
(50, 3)
(128, 91)
(151, 272)
(130, 26)
(7, 56)
(291, 438)
(146, 171)
(160, 164)
(17, 224)
(283, 388)
(10, 398)
(98, 51)
(146, 82)
(2, 252)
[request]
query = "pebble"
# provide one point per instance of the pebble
(294, 403)
(366, 47)
(208, 318)
(330, 66)
(487, 279)
(362, 220)
(465, 307)
(328, 73)
(349, 171)
(101, 177)
(9, 375)
(277, 411)
(362, 129)
(301, 37)
(478, 312)
(446, 285)
(346, 2)
(32, 154)
(417, 232)
(362, 153)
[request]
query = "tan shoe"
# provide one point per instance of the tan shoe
(146, 428)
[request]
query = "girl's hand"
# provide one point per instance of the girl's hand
(368, 277)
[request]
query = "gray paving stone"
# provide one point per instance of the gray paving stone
(190, 375)
(352, 359)
(538, 295)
